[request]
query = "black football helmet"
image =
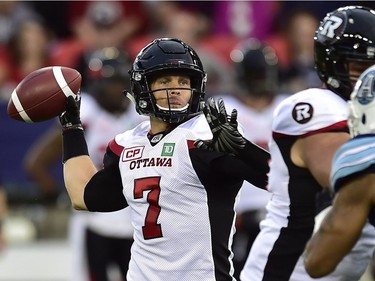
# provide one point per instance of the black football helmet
(166, 56)
(345, 35)
(256, 67)
(102, 64)
(105, 76)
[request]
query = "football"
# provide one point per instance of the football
(42, 94)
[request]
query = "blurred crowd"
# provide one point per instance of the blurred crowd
(37, 34)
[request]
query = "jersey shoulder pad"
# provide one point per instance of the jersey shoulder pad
(354, 157)
(309, 111)
(117, 144)
(140, 130)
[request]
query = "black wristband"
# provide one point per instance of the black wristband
(74, 144)
(69, 126)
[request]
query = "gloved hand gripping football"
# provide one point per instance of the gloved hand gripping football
(70, 119)
(226, 137)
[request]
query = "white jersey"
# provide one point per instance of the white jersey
(163, 212)
(289, 223)
(100, 127)
(257, 127)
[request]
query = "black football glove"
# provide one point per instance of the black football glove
(226, 137)
(70, 119)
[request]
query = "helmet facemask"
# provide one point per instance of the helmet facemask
(164, 57)
(148, 105)
(338, 76)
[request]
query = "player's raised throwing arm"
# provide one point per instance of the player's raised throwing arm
(78, 167)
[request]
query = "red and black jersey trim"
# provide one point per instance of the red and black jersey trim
(341, 126)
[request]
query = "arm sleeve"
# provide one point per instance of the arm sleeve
(104, 193)
(255, 156)
(252, 166)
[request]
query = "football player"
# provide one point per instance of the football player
(308, 128)
(352, 179)
(181, 197)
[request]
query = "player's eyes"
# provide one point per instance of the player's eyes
(164, 82)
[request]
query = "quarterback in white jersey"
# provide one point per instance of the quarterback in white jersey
(308, 128)
(158, 227)
(181, 197)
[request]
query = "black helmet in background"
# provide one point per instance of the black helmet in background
(256, 67)
(103, 64)
(166, 56)
(346, 35)
(105, 76)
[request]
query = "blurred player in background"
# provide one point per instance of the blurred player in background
(256, 68)
(353, 183)
(101, 239)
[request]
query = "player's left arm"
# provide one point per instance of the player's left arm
(225, 166)
(234, 167)
(227, 138)
(341, 227)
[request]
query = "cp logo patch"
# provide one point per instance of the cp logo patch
(302, 112)
(132, 153)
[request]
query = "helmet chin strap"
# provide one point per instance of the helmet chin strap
(173, 109)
